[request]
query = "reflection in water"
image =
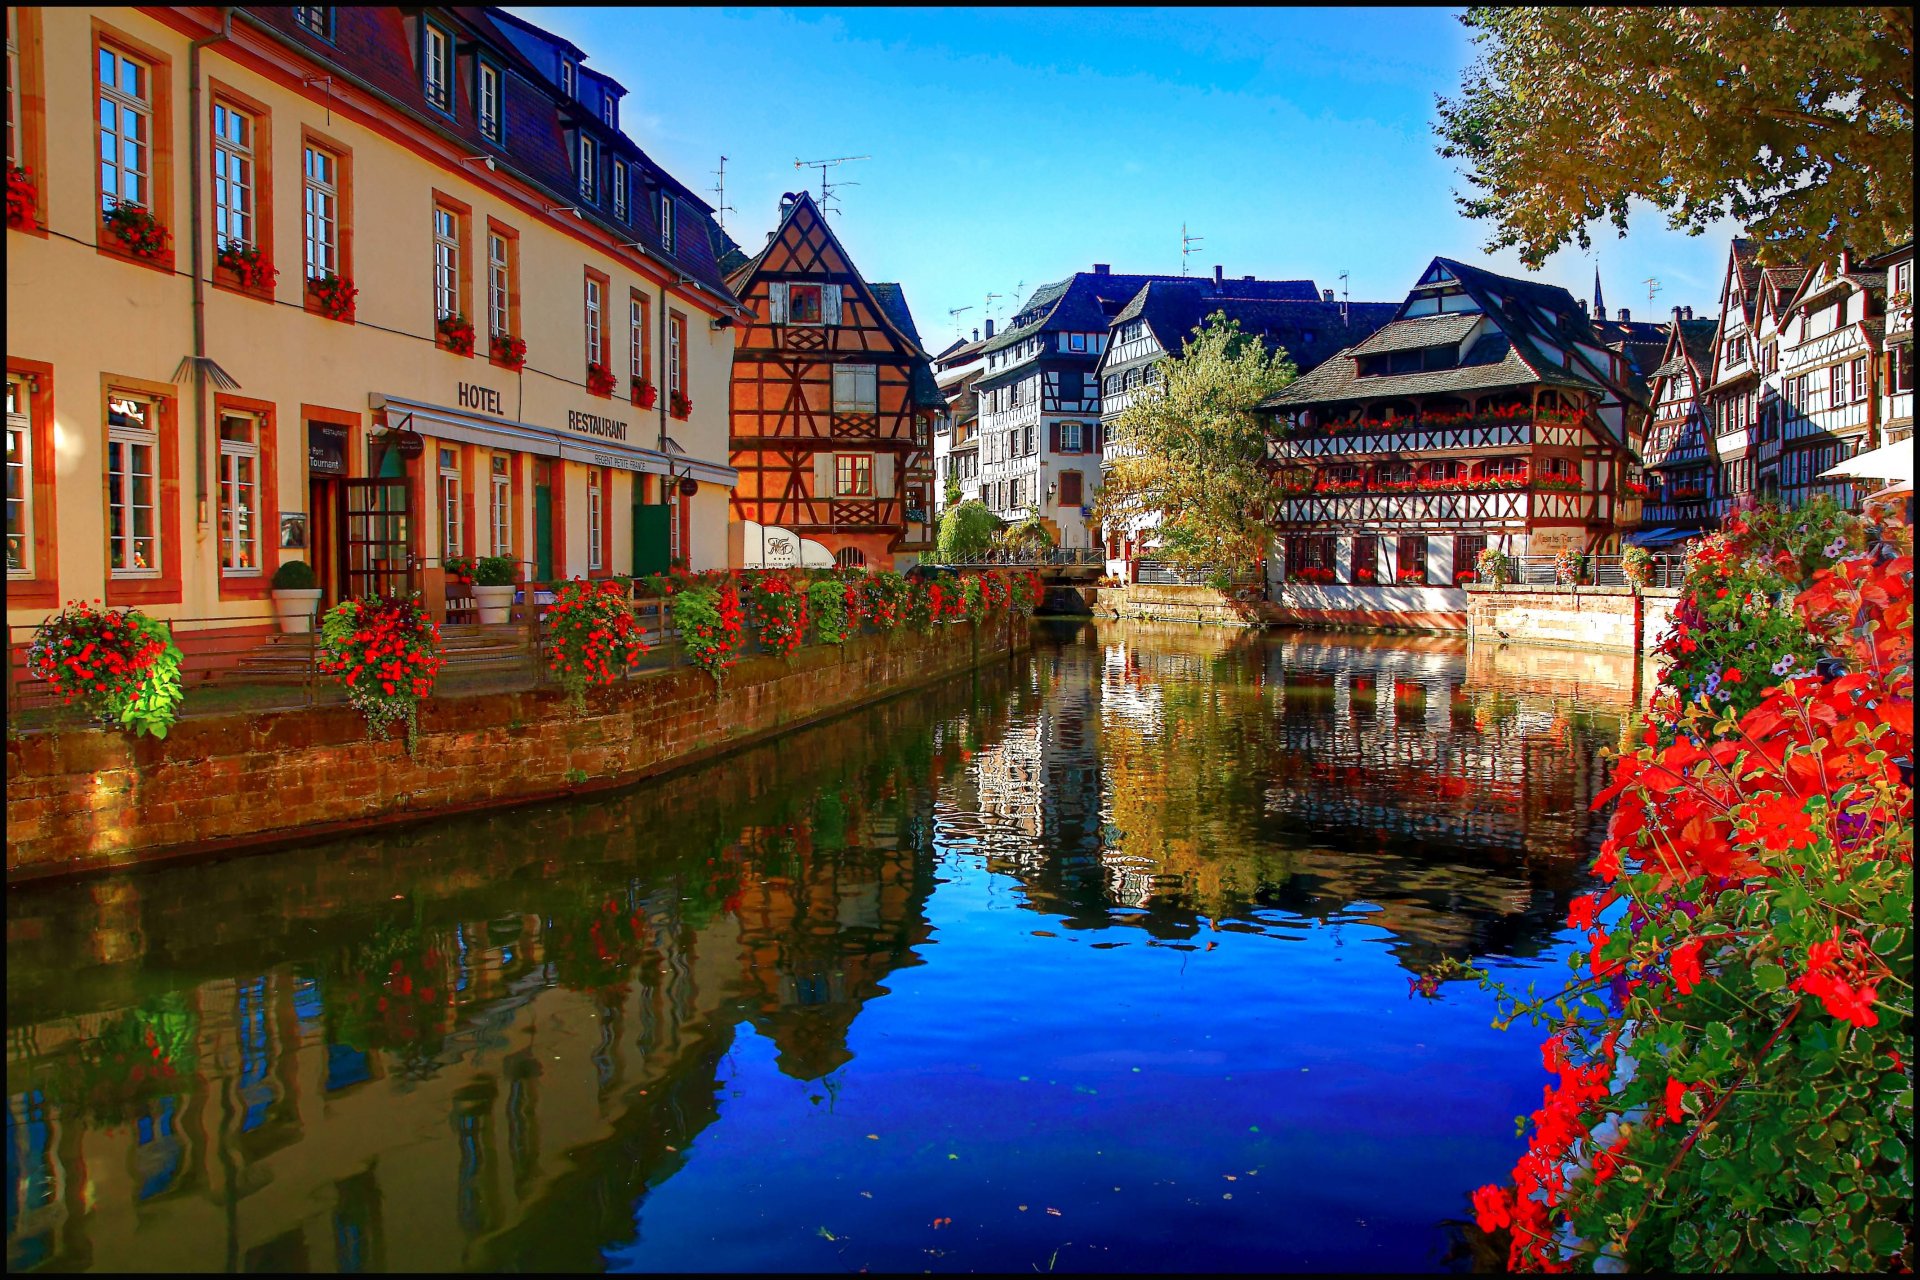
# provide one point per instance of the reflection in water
(645, 1032)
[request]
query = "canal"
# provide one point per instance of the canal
(1099, 959)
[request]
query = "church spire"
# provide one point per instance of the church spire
(1599, 302)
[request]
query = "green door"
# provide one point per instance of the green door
(651, 547)
(543, 533)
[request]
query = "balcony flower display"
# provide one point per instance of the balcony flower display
(592, 636)
(332, 295)
(600, 379)
(1639, 489)
(1557, 484)
(506, 350)
(23, 198)
(1315, 573)
(135, 227)
(1687, 492)
(779, 611)
(251, 267)
(645, 395)
(456, 334)
(1328, 484)
(1411, 577)
(680, 404)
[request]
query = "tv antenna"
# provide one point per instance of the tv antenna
(1345, 301)
(1186, 247)
(827, 188)
(1653, 287)
(720, 206)
(956, 313)
(991, 299)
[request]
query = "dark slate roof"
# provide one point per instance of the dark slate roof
(926, 391)
(1308, 330)
(1417, 332)
(1696, 341)
(1088, 301)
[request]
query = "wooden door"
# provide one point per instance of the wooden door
(378, 560)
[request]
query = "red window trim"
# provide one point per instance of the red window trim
(42, 590)
(164, 589)
(250, 586)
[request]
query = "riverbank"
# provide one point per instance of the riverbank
(88, 800)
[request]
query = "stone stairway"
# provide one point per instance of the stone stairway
(283, 659)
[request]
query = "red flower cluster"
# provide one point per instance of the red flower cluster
(1846, 987)
(1314, 573)
(23, 198)
(84, 652)
(645, 395)
(592, 636)
(456, 334)
(251, 268)
(505, 349)
(1411, 577)
(135, 227)
(779, 613)
(600, 379)
(711, 625)
(385, 652)
(333, 295)
(680, 404)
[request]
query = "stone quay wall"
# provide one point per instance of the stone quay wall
(1154, 603)
(1611, 619)
(88, 800)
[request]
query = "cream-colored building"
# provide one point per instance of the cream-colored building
(176, 431)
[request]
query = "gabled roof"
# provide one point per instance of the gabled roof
(893, 301)
(1689, 348)
(1420, 331)
(1088, 301)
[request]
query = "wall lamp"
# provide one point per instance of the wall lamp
(720, 322)
(562, 209)
(486, 160)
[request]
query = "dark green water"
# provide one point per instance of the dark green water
(1098, 960)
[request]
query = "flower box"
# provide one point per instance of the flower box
(332, 296)
(679, 404)
(23, 199)
(645, 395)
(507, 351)
(455, 334)
(137, 230)
(250, 268)
(1316, 574)
(1411, 577)
(600, 380)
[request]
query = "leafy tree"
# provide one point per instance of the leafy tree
(952, 492)
(966, 531)
(1796, 123)
(1030, 534)
(1193, 452)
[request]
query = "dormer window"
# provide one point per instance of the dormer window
(487, 101)
(315, 19)
(620, 190)
(666, 221)
(586, 166)
(609, 111)
(438, 67)
(566, 77)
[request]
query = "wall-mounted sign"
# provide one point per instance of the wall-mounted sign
(1551, 542)
(592, 424)
(689, 487)
(485, 399)
(326, 449)
(293, 530)
(409, 443)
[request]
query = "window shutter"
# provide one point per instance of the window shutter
(1053, 438)
(830, 304)
(883, 467)
(1099, 437)
(822, 475)
(777, 302)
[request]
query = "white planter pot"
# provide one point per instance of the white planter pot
(494, 603)
(295, 609)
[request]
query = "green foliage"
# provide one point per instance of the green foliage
(493, 571)
(122, 665)
(294, 575)
(951, 493)
(1030, 534)
(967, 529)
(1193, 454)
(827, 599)
(1494, 566)
(1795, 123)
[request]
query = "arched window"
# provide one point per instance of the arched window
(850, 558)
(1132, 379)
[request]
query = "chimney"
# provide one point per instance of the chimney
(1585, 310)
(976, 332)
(1677, 317)
(1219, 276)
(1248, 279)
(1326, 295)
(1846, 262)
(1102, 269)
(1626, 316)
(1689, 313)
(989, 329)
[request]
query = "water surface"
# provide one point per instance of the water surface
(1097, 960)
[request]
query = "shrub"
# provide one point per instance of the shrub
(120, 664)
(294, 575)
(827, 600)
(966, 531)
(708, 618)
(1636, 565)
(494, 571)
(592, 636)
(385, 653)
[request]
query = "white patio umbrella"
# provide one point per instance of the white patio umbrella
(1888, 462)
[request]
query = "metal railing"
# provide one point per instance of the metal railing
(1596, 571)
(1033, 556)
(1164, 573)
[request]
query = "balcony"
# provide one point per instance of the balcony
(1403, 440)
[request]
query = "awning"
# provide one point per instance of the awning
(1658, 537)
(1888, 462)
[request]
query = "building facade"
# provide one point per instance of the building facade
(1487, 414)
(833, 402)
(1896, 352)
(1830, 337)
(1678, 453)
(368, 287)
(956, 432)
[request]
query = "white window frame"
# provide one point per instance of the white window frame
(594, 320)
(636, 338)
(856, 388)
(500, 478)
(19, 471)
(676, 374)
(437, 67)
(566, 77)
(239, 535)
(609, 110)
(233, 175)
(15, 120)
(1075, 443)
(487, 100)
(314, 19)
(594, 518)
(450, 510)
(586, 159)
(320, 212)
(674, 549)
(619, 181)
(122, 495)
(499, 284)
(446, 263)
(1076, 342)
(667, 228)
(114, 141)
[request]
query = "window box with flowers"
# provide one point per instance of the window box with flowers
(331, 296)
(455, 334)
(140, 234)
(680, 404)
(23, 199)
(246, 267)
(1462, 577)
(1411, 577)
(645, 394)
(600, 380)
(1557, 484)
(507, 351)
(1314, 573)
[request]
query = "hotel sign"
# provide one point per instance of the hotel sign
(484, 399)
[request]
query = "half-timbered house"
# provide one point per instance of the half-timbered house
(956, 432)
(1678, 454)
(1829, 340)
(832, 409)
(1896, 352)
(1488, 413)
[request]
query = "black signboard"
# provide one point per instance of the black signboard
(326, 449)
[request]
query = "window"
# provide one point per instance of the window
(856, 388)
(487, 101)
(321, 210)
(666, 221)
(566, 77)
(596, 334)
(315, 19)
(1836, 386)
(1900, 280)
(586, 166)
(1027, 441)
(1364, 566)
(450, 543)
(133, 449)
(1072, 437)
(1859, 370)
(446, 263)
(15, 119)
(803, 304)
(126, 130)
(640, 355)
(609, 109)
(1410, 559)
(502, 504)
(850, 558)
(619, 188)
(676, 351)
(1314, 552)
(1076, 342)
(594, 522)
(1013, 492)
(1070, 482)
(239, 494)
(1900, 367)
(19, 477)
(439, 67)
(676, 541)
(233, 176)
(500, 273)
(853, 475)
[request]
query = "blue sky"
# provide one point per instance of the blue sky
(1013, 146)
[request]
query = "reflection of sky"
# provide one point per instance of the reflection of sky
(1277, 1096)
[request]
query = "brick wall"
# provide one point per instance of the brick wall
(89, 799)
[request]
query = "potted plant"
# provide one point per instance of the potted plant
(455, 334)
(507, 351)
(493, 588)
(135, 227)
(680, 404)
(1636, 565)
(645, 394)
(600, 379)
(295, 597)
(23, 198)
(332, 296)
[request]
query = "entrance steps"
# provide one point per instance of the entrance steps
(284, 659)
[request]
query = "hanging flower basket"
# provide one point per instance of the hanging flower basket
(456, 334)
(386, 654)
(250, 267)
(135, 227)
(680, 404)
(645, 394)
(23, 199)
(121, 664)
(592, 636)
(507, 351)
(600, 380)
(1494, 566)
(1636, 565)
(332, 296)
(779, 613)
(1569, 567)
(711, 627)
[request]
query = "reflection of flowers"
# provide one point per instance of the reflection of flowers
(143, 1052)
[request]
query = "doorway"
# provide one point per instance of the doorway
(326, 536)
